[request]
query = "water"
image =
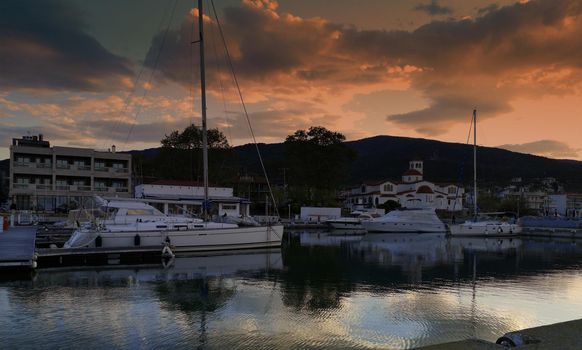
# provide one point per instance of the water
(319, 291)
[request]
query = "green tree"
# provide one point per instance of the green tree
(318, 162)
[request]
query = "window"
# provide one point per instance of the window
(229, 206)
(452, 190)
(63, 164)
(140, 212)
(388, 188)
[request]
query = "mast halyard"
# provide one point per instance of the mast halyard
(475, 163)
(205, 204)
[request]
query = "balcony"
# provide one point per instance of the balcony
(33, 165)
(112, 170)
(43, 187)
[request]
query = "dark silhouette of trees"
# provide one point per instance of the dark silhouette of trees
(180, 158)
(191, 138)
(318, 161)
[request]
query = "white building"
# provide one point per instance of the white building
(178, 197)
(411, 192)
(319, 214)
(568, 205)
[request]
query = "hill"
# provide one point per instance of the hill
(386, 157)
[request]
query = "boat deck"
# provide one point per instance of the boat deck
(17, 247)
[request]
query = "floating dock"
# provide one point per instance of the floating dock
(17, 247)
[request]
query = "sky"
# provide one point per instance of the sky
(98, 73)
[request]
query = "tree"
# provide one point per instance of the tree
(318, 162)
(180, 157)
(191, 138)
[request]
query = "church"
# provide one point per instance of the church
(412, 191)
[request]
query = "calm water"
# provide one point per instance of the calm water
(319, 291)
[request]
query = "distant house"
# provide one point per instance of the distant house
(412, 191)
(568, 205)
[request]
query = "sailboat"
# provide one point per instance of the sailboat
(482, 226)
(138, 224)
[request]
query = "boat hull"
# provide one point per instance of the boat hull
(486, 229)
(345, 225)
(193, 240)
(399, 227)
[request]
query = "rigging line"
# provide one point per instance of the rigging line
(212, 33)
(191, 97)
(135, 83)
(219, 69)
(244, 107)
(462, 166)
(153, 71)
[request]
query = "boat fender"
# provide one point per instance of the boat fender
(98, 241)
(515, 340)
(167, 252)
(136, 240)
(499, 230)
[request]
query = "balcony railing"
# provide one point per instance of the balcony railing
(63, 166)
(33, 165)
(81, 188)
(22, 186)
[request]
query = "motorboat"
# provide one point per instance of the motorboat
(131, 223)
(353, 222)
(409, 220)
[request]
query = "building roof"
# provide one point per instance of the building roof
(412, 172)
(424, 189)
(405, 192)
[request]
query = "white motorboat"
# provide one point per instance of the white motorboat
(350, 223)
(482, 226)
(130, 224)
(410, 220)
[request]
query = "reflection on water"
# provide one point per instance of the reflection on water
(320, 290)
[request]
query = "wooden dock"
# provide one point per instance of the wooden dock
(17, 247)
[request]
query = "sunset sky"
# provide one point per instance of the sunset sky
(96, 73)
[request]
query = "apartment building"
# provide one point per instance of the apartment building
(61, 178)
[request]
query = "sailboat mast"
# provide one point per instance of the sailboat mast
(475, 162)
(203, 105)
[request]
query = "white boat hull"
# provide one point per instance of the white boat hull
(192, 240)
(394, 227)
(485, 229)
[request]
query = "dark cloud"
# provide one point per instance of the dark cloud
(551, 148)
(521, 50)
(433, 8)
(487, 9)
(44, 45)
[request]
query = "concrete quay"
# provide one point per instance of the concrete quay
(563, 336)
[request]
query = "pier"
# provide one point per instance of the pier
(17, 247)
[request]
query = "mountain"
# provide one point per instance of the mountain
(386, 157)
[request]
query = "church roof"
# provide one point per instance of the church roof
(424, 189)
(412, 172)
